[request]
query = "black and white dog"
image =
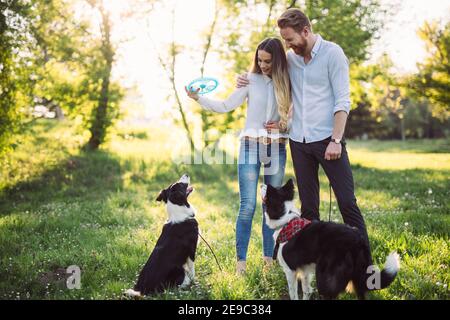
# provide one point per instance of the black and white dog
(337, 254)
(172, 261)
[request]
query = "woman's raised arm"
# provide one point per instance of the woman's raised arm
(236, 99)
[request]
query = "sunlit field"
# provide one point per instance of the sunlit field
(60, 206)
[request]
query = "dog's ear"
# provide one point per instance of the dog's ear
(289, 184)
(288, 189)
(269, 187)
(162, 196)
(271, 191)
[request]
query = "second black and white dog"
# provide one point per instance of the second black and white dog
(171, 263)
(337, 254)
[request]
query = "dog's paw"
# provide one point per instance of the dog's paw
(130, 293)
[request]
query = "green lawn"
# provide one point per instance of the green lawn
(61, 207)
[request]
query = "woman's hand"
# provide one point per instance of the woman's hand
(272, 125)
(192, 94)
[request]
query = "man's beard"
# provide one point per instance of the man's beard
(300, 50)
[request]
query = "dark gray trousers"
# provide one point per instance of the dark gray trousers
(306, 158)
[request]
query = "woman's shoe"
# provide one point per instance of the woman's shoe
(268, 263)
(241, 266)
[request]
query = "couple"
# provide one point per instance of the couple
(314, 79)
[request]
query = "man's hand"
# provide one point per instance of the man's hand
(242, 81)
(333, 151)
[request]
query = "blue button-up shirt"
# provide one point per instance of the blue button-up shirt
(319, 90)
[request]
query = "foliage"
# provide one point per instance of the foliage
(50, 57)
(15, 47)
(64, 55)
(354, 25)
(385, 107)
(433, 80)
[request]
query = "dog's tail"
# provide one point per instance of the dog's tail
(389, 272)
(371, 278)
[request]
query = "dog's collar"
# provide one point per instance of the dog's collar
(191, 217)
(294, 214)
(290, 229)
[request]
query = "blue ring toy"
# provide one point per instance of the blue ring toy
(205, 84)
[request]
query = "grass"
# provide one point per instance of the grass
(61, 207)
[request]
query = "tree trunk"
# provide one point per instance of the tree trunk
(99, 125)
(402, 128)
(100, 114)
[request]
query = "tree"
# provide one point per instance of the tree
(104, 94)
(101, 116)
(52, 56)
(169, 66)
(379, 100)
(62, 58)
(15, 57)
(433, 79)
(351, 24)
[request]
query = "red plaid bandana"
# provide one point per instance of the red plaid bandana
(291, 229)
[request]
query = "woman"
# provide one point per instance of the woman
(263, 140)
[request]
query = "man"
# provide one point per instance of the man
(319, 74)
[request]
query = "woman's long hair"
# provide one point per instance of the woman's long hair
(280, 76)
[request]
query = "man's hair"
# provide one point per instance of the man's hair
(295, 19)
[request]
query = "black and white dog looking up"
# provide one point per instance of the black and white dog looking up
(336, 253)
(172, 261)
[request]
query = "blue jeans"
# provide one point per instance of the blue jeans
(252, 155)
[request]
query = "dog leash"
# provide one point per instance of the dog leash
(217, 261)
(329, 214)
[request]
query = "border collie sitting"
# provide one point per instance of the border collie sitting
(172, 261)
(336, 253)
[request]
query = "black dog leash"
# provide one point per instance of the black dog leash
(217, 261)
(329, 214)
